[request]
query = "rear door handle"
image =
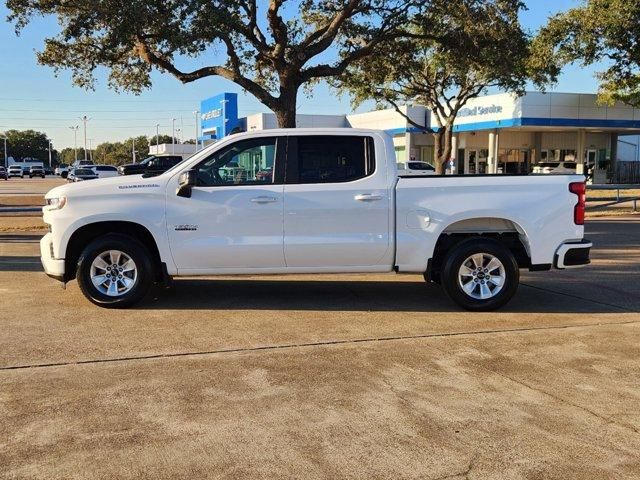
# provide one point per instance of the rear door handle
(368, 197)
(264, 200)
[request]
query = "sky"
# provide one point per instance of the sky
(32, 97)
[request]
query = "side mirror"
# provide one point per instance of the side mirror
(186, 183)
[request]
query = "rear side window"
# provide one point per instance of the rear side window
(330, 159)
(106, 168)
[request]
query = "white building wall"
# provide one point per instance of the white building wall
(170, 149)
(389, 119)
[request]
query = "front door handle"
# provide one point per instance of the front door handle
(368, 197)
(264, 200)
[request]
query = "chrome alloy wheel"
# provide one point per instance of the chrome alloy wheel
(113, 273)
(481, 276)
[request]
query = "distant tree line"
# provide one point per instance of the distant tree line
(28, 144)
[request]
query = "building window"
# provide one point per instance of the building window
(401, 155)
(426, 154)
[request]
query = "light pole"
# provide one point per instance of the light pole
(49, 153)
(224, 117)
(133, 149)
(173, 136)
(75, 142)
(85, 119)
(90, 151)
(179, 133)
(157, 137)
(6, 165)
(196, 113)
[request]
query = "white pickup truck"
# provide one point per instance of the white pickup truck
(311, 201)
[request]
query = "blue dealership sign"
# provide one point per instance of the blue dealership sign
(219, 116)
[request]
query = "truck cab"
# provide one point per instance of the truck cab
(311, 201)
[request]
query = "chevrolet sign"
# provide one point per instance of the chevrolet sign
(212, 114)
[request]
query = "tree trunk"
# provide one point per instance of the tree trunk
(442, 148)
(285, 109)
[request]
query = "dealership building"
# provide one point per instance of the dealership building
(500, 133)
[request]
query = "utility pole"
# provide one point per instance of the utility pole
(173, 136)
(90, 151)
(75, 142)
(133, 149)
(196, 113)
(157, 137)
(85, 119)
(49, 153)
(6, 161)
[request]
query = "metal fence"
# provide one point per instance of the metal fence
(624, 172)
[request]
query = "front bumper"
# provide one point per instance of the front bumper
(54, 267)
(573, 254)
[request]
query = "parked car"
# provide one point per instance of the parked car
(15, 171)
(62, 170)
(561, 168)
(83, 163)
(25, 170)
(36, 171)
(153, 165)
(105, 171)
(334, 204)
(416, 168)
(3, 173)
(48, 171)
(81, 174)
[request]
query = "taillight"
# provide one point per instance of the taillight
(580, 189)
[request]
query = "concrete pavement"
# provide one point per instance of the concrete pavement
(324, 377)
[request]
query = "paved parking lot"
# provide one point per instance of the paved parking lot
(367, 376)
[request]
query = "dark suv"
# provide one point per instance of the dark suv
(153, 165)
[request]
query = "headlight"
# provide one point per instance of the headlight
(55, 203)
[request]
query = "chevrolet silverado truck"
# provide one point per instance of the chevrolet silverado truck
(312, 201)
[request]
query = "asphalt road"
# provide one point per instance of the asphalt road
(366, 376)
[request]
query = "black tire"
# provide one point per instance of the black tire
(129, 246)
(453, 285)
(64, 174)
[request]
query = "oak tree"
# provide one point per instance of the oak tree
(269, 48)
(485, 47)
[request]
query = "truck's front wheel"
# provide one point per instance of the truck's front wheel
(480, 274)
(115, 271)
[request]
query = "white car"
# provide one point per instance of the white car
(416, 168)
(105, 171)
(61, 170)
(15, 171)
(333, 203)
(561, 168)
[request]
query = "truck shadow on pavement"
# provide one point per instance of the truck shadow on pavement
(330, 295)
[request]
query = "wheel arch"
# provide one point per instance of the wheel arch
(507, 231)
(90, 231)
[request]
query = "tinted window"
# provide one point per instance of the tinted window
(247, 162)
(106, 168)
(83, 171)
(170, 161)
(420, 166)
(549, 164)
(333, 159)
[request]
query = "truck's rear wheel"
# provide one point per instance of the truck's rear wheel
(115, 271)
(480, 274)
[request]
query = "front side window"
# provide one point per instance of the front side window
(247, 162)
(334, 159)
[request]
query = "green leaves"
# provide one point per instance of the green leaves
(603, 32)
